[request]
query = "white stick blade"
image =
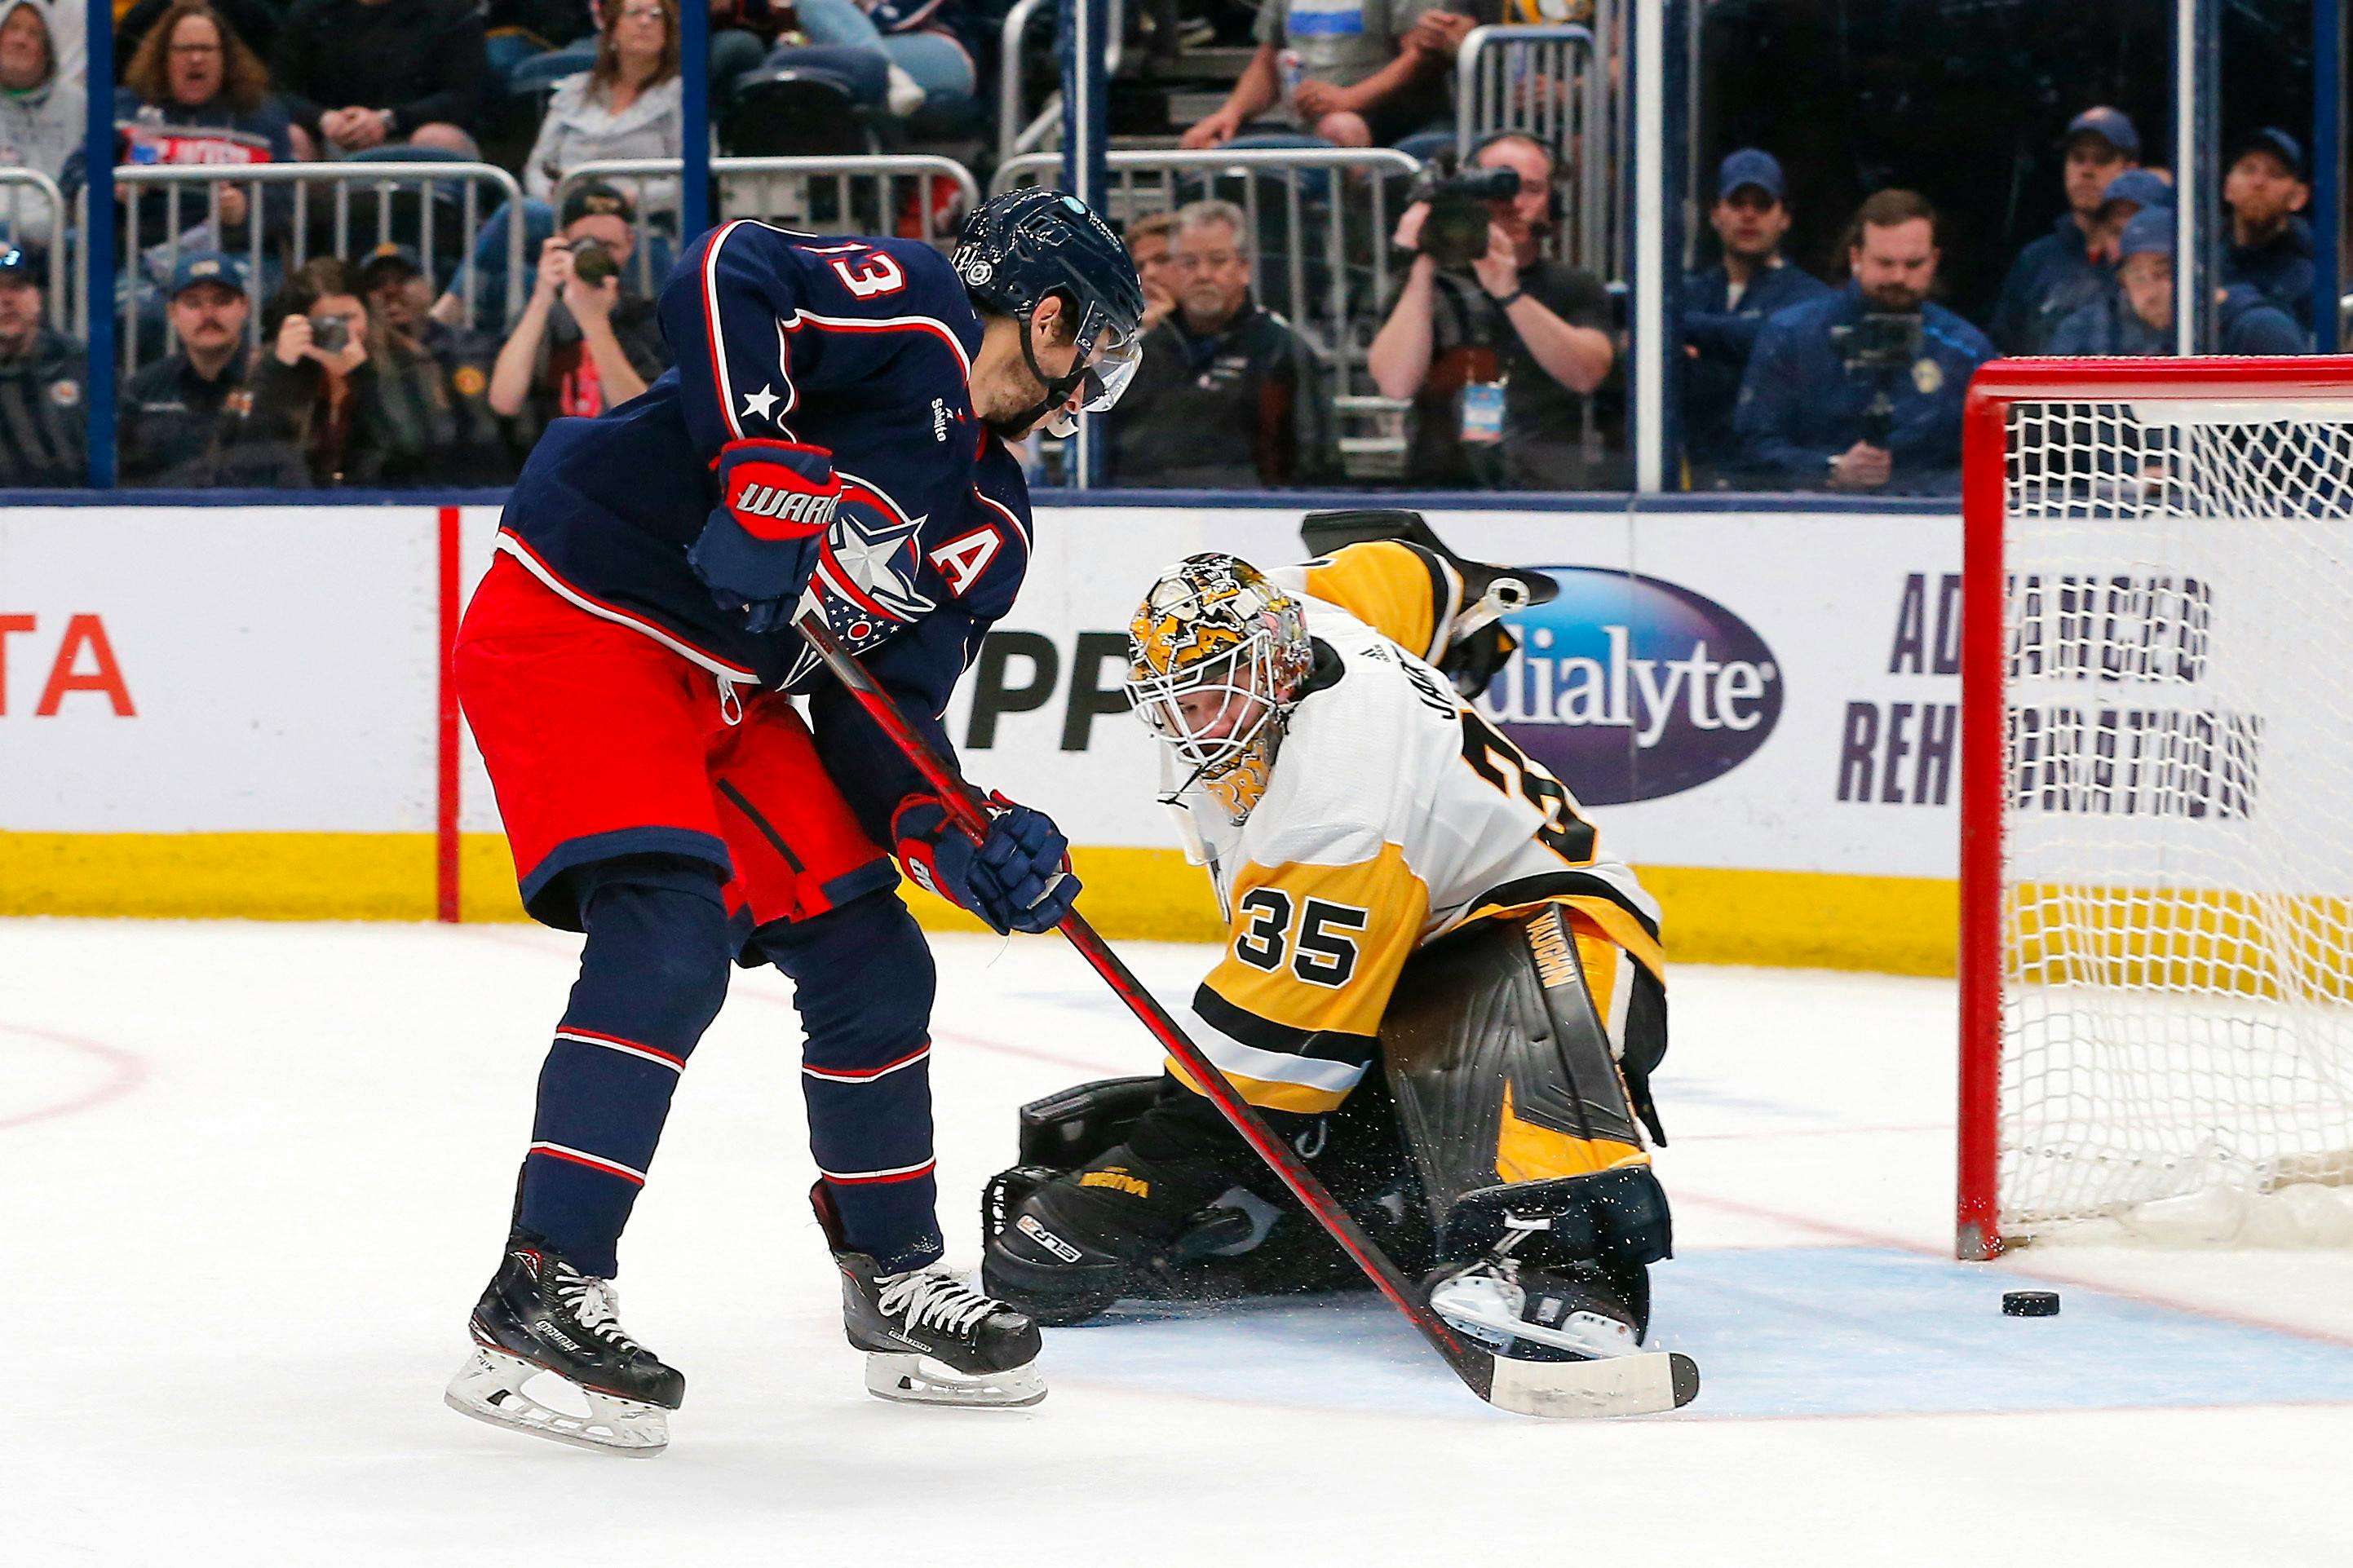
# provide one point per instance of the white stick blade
(1573, 1390)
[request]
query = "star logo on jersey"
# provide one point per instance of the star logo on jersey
(758, 405)
(864, 585)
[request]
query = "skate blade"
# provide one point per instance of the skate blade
(906, 1379)
(489, 1388)
(1644, 1384)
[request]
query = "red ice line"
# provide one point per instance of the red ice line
(128, 1071)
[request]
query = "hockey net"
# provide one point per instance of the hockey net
(2157, 945)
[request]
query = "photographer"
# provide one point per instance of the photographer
(319, 415)
(1499, 350)
(1861, 390)
(585, 343)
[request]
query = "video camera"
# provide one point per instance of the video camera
(1454, 234)
(1879, 345)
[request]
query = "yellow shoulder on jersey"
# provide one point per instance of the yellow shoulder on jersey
(1402, 591)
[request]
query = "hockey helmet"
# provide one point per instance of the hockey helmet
(1028, 245)
(1218, 656)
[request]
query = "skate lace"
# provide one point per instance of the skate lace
(928, 1299)
(595, 1305)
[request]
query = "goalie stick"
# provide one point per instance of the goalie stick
(1638, 1385)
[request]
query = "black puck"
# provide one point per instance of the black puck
(2030, 1303)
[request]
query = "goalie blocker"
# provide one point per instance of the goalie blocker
(1498, 1075)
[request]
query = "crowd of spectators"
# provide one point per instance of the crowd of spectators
(257, 357)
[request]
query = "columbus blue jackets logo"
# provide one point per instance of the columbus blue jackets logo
(864, 585)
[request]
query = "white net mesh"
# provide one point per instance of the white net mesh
(2177, 1018)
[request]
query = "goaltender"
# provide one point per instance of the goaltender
(1403, 885)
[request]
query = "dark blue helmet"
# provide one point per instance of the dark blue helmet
(1025, 246)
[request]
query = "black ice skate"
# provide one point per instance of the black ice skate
(1536, 1310)
(930, 1337)
(542, 1315)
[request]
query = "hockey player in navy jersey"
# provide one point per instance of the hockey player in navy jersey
(831, 444)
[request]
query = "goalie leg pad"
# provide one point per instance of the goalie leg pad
(1509, 1098)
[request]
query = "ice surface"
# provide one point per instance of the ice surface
(251, 1176)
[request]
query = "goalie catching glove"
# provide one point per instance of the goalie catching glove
(1018, 879)
(776, 498)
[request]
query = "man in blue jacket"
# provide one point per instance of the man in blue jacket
(1724, 308)
(2136, 316)
(1861, 390)
(2061, 273)
(2271, 242)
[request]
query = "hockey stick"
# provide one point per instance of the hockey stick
(1620, 1386)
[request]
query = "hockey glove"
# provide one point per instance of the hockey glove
(755, 553)
(1018, 879)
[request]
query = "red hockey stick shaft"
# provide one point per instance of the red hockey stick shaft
(966, 807)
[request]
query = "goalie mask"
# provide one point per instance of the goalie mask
(1217, 656)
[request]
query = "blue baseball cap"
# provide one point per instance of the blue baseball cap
(2142, 187)
(2150, 233)
(2279, 143)
(19, 267)
(207, 267)
(1749, 166)
(2113, 126)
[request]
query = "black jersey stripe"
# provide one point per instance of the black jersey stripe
(1564, 884)
(1266, 1034)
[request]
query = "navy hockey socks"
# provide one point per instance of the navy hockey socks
(652, 976)
(862, 978)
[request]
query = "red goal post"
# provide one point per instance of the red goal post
(2153, 950)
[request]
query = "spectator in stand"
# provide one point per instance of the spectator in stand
(321, 409)
(194, 94)
(43, 115)
(585, 343)
(1826, 401)
(2126, 196)
(1724, 308)
(42, 375)
(181, 416)
(255, 21)
(629, 104)
(2271, 242)
(2137, 317)
(1360, 82)
(926, 47)
(1226, 387)
(1148, 241)
(2060, 273)
(1500, 364)
(441, 374)
(359, 74)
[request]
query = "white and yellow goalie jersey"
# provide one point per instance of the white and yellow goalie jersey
(1395, 813)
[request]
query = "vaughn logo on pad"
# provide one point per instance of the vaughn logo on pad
(1629, 687)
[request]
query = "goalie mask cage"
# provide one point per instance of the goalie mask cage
(2157, 804)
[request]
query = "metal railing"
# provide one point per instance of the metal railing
(15, 182)
(1015, 134)
(1552, 84)
(857, 194)
(407, 198)
(1319, 239)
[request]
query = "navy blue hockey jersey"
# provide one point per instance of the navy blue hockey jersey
(863, 347)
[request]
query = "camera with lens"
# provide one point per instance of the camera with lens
(1455, 233)
(330, 334)
(591, 261)
(1879, 345)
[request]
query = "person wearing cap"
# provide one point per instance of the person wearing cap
(1826, 404)
(2270, 241)
(43, 376)
(2135, 318)
(2130, 192)
(182, 417)
(583, 344)
(436, 377)
(2061, 273)
(1725, 307)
